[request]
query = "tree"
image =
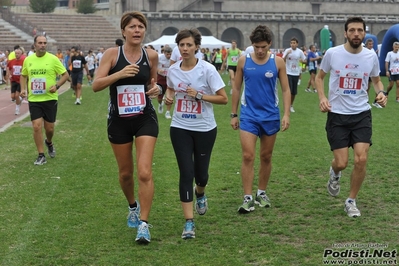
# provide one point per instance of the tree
(86, 7)
(42, 6)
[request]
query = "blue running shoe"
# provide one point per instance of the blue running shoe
(189, 230)
(143, 233)
(201, 206)
(133, 217)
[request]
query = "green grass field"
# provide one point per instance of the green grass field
(71, 211)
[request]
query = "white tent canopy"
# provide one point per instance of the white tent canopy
(206, 42)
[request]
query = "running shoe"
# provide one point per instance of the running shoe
(201, 205)
(292, 110)
(133, 217)
(189, 230)
(351, 209)
(247, 206)
(308, 90)
(167, 115)
(143, 233)
(77, 102)
(333, 186)
(50, 148)
(299, 82)
(40, 160)
(263, 200)
(160, 109)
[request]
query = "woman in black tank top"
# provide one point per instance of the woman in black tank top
(130, 72)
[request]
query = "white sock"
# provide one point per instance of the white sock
(248, 196)
(260, 192)
(349, 199)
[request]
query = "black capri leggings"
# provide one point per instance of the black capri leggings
(193, 153)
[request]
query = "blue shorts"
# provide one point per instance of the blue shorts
(260, 128)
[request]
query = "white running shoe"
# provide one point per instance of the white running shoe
(167, 115)
(351, 209)
(299, 82)
(17, 110)
(333, 186)
(160, 109)
(292, 110)
(77, 102)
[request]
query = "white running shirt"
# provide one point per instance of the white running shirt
(163, 65)
(190, 114)
(292, 61)
(393, 59)
(349, 77)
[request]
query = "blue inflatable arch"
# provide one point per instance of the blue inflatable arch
(390, 37)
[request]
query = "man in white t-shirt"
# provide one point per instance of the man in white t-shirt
(99, 55)
(392, 69)
(91, 65)
(348, 112)
(292, 57)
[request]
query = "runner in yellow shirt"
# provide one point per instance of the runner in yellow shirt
(39, 73)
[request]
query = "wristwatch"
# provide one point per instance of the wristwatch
(198, 96)
(57, 86)
(384, 92)
(233, 115)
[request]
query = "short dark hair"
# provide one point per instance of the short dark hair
(294, 39)
(185, 33)
(261, 33)
(119, 42)
(354, 20)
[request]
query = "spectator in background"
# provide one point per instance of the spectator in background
(32, 50)
(99, 55)
(312, 67)
(392, 69)
(293, 57)
(91, 65)
(14, 69)
(78, 63)
(163, 68)
(118, 42)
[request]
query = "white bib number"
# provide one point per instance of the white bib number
(16, 70)
(131, 99)
(187, 107)
(395, 70)
(38, 86)
(77, 64)
(350, 82)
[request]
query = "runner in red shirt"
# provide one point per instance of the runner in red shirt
(14, 68)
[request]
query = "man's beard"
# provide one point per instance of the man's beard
(354, 45)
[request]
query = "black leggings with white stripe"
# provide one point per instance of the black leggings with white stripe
(193, 153)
